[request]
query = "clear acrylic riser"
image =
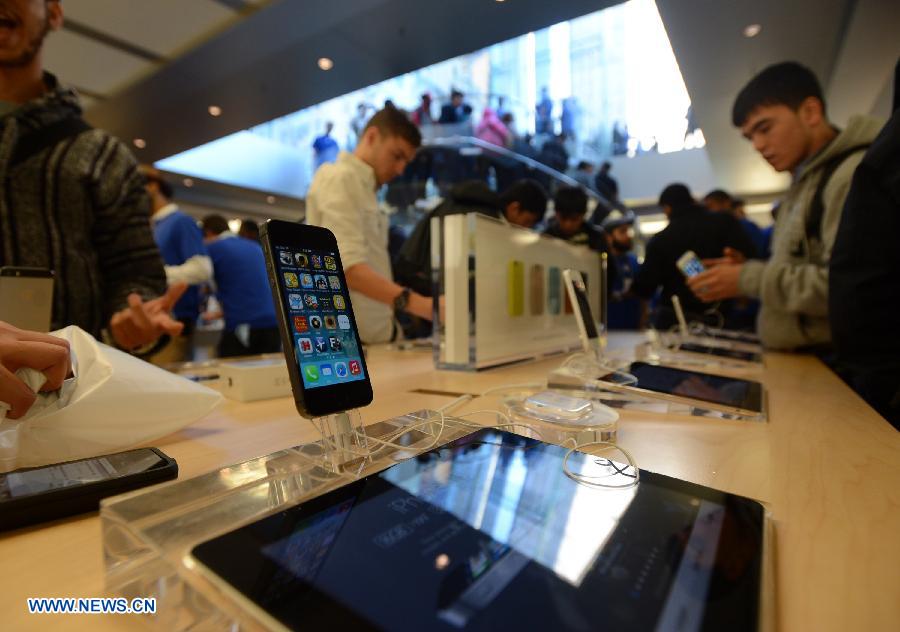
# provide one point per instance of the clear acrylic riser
(662, 350)
(148, 535)
(630, 399)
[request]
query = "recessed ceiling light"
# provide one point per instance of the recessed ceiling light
(270, 199)
(140, 143)
(752, 30)
(188, 182)
(215, 110)
(325, 63)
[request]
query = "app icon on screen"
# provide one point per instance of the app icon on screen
(300, 324)
(325, 302)
(290, 280)
(343, 321)
(340, 369)
(306, 281)
(330, 263)
(312, 372)
(295, 300)
(305, 345)
(331, 322)
(355, 369)
(315, 322)
(285, 257)
(321, 282)
(334, 282)
(316, 261)
(335, 343)
(301, 260)
(339, 302)
(311, 301)
(325, 370)
(321, 345)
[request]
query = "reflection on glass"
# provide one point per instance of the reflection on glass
(511, 495)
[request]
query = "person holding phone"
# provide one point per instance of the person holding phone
(342, 198)
(29, 349)
(691, 227)
(782, 112)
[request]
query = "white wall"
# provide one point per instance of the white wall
(646, 175)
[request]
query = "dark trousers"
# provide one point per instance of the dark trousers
(263, 340)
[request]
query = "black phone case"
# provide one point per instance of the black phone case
(60, 503)
(306, 407)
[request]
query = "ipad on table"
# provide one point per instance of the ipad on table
(488, 533)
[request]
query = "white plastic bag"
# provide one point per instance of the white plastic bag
(114, 401)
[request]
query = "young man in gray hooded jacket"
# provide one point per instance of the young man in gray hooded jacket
(782, 112)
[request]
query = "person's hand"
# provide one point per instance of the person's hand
(421, 306)
(729, 256)
(143, 323)
(42, 352)
(717, 283)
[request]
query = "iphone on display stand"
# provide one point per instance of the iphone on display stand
(578, 296)
(321, 342)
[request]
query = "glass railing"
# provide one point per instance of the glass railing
(447, 159)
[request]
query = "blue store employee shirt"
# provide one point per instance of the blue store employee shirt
(624, 314)
(179, 238)
(242, 285)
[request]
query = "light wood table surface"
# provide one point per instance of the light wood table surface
(826, 466)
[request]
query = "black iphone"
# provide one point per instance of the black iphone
(318, 330)
(38, 494)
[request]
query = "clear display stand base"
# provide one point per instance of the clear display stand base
(148, 535)
(663, 349)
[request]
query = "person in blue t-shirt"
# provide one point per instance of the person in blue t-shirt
(624, 311)
(242, 289)
(325, 148)
(184, 255)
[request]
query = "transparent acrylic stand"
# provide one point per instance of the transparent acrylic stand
(698, 333)
(590, 429)
(662, 348)
(593, 381)
(148, 535)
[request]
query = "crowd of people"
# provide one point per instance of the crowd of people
(495, 126)
(130, 265)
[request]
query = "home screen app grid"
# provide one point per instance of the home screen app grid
(325, 345)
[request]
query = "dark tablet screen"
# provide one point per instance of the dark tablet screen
(705, 387)
(489, 534)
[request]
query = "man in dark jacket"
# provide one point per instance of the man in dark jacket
(523, 204)
(864, 276)
(691, 227)
(73, 199)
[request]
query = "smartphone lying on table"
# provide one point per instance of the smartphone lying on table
(319, 335)
(37, 494)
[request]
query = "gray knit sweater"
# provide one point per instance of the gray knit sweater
(79, 208)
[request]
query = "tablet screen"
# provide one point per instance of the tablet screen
(489, 534)
(716, 389)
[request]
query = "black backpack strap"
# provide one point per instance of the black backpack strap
(45, 137)
(817, 206)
